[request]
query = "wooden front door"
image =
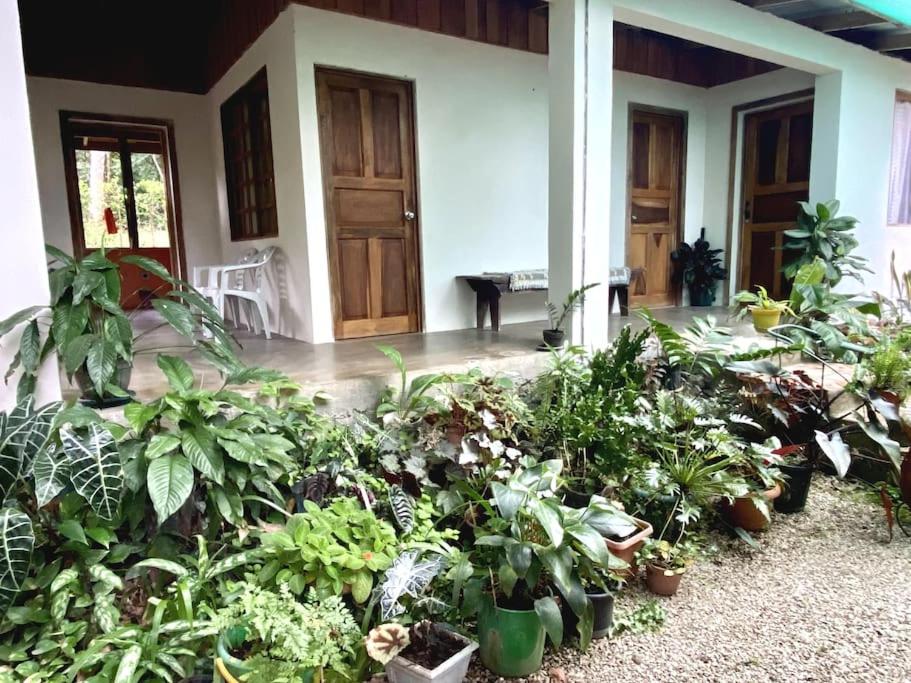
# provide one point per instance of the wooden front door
(367, 141)
(653, 206)
(121, 186)
(776, 175)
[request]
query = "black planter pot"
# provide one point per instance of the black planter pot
(604, 616)
(702, 296)
(795, 489)
(576, 499)
(121, 378)
(553, 339)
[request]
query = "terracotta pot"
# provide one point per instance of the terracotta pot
(660, 583)
(743, 512)
(626, 549)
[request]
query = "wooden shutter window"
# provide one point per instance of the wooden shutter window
(249, 175)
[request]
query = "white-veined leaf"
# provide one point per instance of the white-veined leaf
(16, 543)
(95, 468)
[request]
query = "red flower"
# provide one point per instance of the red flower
(110, 222)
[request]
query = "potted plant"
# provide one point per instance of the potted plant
(759, 468)
(624, 540)
(425, 652)
(557, 315)
(765, 310)
(94, 337)
(699, 268)
(266, 636)
(536, 545)
(600, 588)
(665, 563)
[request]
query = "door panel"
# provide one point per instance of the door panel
(366, 134)
(653, 207)
(776, 176)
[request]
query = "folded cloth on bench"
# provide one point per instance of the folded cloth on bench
(522, 280)
(619, 276)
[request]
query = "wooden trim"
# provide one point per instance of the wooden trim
(734, 265)
(165, 127)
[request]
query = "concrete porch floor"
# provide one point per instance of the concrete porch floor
(354, 371)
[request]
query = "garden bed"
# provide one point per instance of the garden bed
(827, 598)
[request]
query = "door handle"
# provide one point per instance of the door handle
(409, 215)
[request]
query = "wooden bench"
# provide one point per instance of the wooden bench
(489, 287)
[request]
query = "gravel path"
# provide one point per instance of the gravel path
(827, 599)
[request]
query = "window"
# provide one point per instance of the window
(249, 177)
(900, 171)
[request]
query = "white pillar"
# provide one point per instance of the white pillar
(581, 84)
(23, 277)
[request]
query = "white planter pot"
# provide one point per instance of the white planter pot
(453, 670)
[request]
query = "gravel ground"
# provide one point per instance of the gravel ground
(826, 599)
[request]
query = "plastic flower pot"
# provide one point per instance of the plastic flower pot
(765, 319)
(603, 604)
(453, 670)
(553, 338)
(511, 641)
(796, 488)
(662, 581)
(743, 513)
(626, 549)
(90, 398)
(702, 295)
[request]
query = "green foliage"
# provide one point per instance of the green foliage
(888, 367)
(759, 299)
(822, 234)
(647, 617)
(284, 638)
(557, 315)
(699, 266)
(341, 547)
(671, 558)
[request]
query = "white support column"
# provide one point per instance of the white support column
(23, 277)
(581, 94)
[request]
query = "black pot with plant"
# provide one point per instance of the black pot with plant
(699, 267)
(557, 316)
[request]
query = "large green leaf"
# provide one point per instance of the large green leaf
(178, 372)
(7, 325)
(76, 351)
(835, 450)
(549, 614)
(549, 518)
(177, 315)
(200, 448)
(51, 472)
(169, 480)
(68, 322)
(126, 670)
(150, 265)
(30, 347)
(25, 433)
(101, 363)
(85, 283)
(95, 468)
(16, 543)
(507, 498)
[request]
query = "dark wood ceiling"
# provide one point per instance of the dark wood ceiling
(843, 19)
(188, 45)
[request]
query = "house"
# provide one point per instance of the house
(389, 146)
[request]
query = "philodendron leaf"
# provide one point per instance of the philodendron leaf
(178, 372)
(170, 481)
(549, 614)
(95, 468)
(24, 435)
(507, 499)
(199, 447)
(51, 472)
(402, 508)
(835, 450)
(16, 543)
(101, 363)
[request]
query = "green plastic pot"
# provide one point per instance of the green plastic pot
(512, 641)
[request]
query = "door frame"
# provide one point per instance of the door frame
(737, 176)
(329, 209)
(683, 115)
(172, 178)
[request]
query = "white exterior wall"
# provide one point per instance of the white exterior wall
(49, 96)
(24, 275)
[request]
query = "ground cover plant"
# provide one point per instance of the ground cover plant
(240, 530)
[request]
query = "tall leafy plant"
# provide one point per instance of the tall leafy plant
(699, 266)
(557, 314)
(822, 234)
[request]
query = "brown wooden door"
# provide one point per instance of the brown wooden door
(653, 208)
(776, 175)
(367, 140)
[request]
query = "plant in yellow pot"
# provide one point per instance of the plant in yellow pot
(765, 310)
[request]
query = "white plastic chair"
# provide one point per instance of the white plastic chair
(233, 282)
(206, 278)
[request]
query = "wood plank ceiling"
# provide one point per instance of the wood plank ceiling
(843, 19)
(188, 46)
